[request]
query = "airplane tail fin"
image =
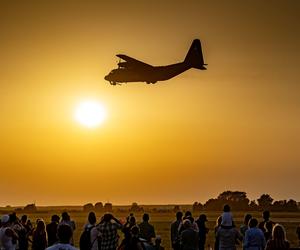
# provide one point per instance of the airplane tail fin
(194, 57)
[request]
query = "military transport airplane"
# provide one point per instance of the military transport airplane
(132, 70)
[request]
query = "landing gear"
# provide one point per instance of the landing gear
(114, 83)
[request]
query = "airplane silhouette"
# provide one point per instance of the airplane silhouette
(132, 70)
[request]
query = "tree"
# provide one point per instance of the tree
(265, 201)
(253, 206)
(30, 208)
(99, 207)
(197, 206)
(291, 205)
(176, 208)
(214, 205)
(237, 200)
(88, 207)
(136, 208)
(108, 207)
(233, 196)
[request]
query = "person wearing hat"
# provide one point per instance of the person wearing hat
(203, 230)
(8, 237)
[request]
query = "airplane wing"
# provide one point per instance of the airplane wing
(132, 63)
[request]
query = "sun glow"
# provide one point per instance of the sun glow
(90, 113)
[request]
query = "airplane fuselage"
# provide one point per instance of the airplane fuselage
(148, 75)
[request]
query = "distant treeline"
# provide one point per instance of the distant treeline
(237, 200)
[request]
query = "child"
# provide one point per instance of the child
(157, 245)
(227, 219)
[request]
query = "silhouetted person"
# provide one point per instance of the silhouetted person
(228, 236)
(188, 237)
(24, 233)
(134, 243)
(92, 233)
(66, 220)
(108, 229)
(245, 226)
(130, 222)
(175, 241)
(8, 237)
(15, 224)
(266, 225)
(146, 229)
(157, 244)
(278, 241)
(39, 237)
(51, 229)
(254, 237)
(64, 234)
(227, 218)
(298, 233)
(217, 226)
(268, 230)
(188, 215)
(203, 230)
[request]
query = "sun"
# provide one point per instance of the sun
(90, 113)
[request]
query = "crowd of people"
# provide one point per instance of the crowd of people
(190, 234)
(187, 233)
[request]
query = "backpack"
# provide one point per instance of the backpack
(85, 239)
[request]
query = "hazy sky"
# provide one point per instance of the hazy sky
(235, 126)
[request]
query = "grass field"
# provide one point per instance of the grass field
(162, 221)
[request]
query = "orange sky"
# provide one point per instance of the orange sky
(235, 126)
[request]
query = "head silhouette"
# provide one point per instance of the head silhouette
(187, 224)
(187, 214)
(135, 231)
(107, 217)
(132, 220)
(13, 217)
(179, 215)
(202, 218)
(278, 233)
(64, 233)
(226, 208)
(253, 223)
(146, 217)
(158, 241)
(40, 226)
(65, 216)
(92, 218)
(55, 218)
(5, 220)
(24, 218)
(247, 219)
